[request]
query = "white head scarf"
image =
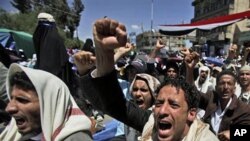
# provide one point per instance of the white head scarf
(152, 82)
(60, 116)
(206, 85)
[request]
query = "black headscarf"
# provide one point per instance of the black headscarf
(89, 46)
(51, 53)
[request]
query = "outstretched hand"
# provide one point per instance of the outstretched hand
(108, 35)
(232, 51)
(125, 49)
(121, 51)
(191, 60)
(159, 44)
(84, 61)
(185, 51)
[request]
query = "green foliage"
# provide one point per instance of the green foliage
(70, 42)
(73, 43)
(67, 17)
(24, 6)
(19, 21)
(5, 18)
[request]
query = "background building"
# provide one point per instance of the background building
(146, 41)
(216, 42)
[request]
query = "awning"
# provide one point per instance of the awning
(208, 24)
(17, 40)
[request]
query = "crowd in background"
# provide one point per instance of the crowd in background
(180, 96)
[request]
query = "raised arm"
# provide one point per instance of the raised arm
(102, 85)
(190, 61)
(232, 53)
(108, 35)
(244, 59)
(84, 61)
(121, 51)
(159, 45)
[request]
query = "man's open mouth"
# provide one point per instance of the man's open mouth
(164, 125)
(139, 101)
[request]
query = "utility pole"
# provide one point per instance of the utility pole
(152, 14)
(152, 19)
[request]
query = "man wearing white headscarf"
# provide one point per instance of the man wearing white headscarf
(202, 83)
(58, 117)
(3, 75)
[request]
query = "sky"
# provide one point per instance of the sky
(134, 14)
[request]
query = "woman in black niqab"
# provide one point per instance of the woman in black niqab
(50, 49)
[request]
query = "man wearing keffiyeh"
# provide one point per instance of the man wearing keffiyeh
(42, 108)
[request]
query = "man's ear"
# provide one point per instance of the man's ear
(192, 114)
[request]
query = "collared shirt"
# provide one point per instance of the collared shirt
(218, 115)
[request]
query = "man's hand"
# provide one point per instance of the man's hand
(108, 35)
(224, 135)
(84, 61)
(185, 51)
(191, 60)
(121, 51)
(232, 51)
(159, 44)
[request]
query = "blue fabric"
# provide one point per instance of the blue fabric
(5, 39)
(108, 133)
(114, 127)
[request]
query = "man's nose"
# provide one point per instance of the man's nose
(138, 93)
(11, 107)
(164, 110)
(226, 86)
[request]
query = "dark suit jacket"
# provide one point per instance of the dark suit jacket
(238, 112)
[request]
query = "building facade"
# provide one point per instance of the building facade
(217, 41)
(146, 41)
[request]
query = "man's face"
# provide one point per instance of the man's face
(141, 94)
(203, 76)
(171, 73)
(171, 114)
(225, 87)
(244, 78)
(24, 108)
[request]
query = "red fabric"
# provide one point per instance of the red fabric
(207, 24)
(219, 19)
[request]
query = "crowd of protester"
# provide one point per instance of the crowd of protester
(63, 94)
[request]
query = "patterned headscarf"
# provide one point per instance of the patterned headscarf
(59, 114)
(152, 82)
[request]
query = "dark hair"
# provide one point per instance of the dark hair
(89, 46)
(172, 64)
(191, 94)
(22, 81)
(225, 72)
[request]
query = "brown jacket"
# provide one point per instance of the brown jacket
(238, 112)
